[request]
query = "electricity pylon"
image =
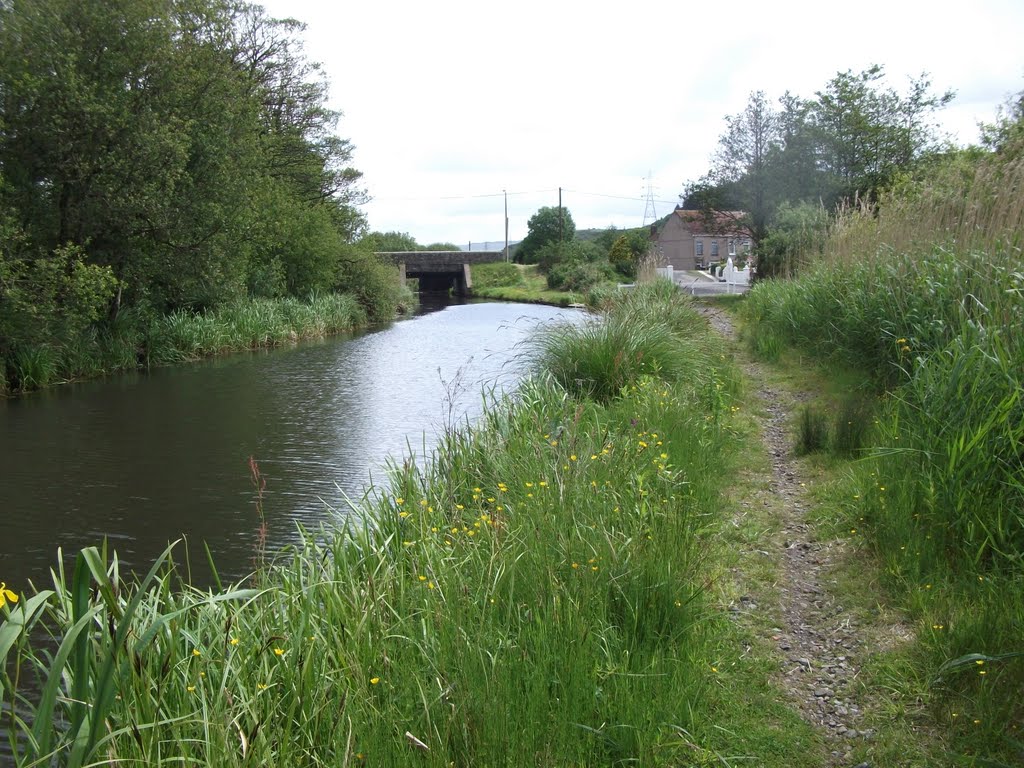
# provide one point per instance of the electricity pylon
(649, 213)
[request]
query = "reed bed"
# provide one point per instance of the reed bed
(183, 336)
(133, 341)
(536, 595)
(927, 295)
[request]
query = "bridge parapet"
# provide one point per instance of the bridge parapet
(440, 261)
(440, 270)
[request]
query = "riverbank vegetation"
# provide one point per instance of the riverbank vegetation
(923, 293)
(517, 282)
(160, 161)
(579, 261)
(541, 593)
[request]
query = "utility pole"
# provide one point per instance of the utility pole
(559, 215)
(506, 223)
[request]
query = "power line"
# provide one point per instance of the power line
(634, 198)
(466, 197)
(649, 198)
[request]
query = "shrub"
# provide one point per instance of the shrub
(578, 277)
(374, 283)
(639, 334)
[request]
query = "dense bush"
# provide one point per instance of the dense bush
(578, 276)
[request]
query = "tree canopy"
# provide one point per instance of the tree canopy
(170, 153)
(854, 139)
(550, 224)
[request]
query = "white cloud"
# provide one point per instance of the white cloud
(457, 98)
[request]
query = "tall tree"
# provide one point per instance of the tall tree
(550, 224)
(186, 144)
(866, 134)
(737, 189)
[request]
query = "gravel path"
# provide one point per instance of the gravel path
(818, 641)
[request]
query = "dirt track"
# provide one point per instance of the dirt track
(818, 642)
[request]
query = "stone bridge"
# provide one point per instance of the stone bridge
(440, 270)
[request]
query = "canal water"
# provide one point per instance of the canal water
(145, 459)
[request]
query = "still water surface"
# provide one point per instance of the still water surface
(146, 459)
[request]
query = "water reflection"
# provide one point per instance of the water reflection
(144, 460)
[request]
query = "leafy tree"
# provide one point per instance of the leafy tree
(1008, 128)
(741, 164)
(854, 139)
(578, 276)
(566, 252)
(628, 250)
(164, 138)
(550, 224)
(793, 164)
(865, 134)
(383, 242)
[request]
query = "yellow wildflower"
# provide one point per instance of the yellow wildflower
(279, 651)
(6, 595)
(374, 680)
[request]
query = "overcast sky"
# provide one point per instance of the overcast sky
(450, 102)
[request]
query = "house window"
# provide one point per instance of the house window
(700, 247)
(732, 247)
(714, 247)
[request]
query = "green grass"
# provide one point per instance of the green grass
(538, 595)
(133, 341)
(652, 331)
(184, 336)
(930, 309)
(812, 433)
(527, 285)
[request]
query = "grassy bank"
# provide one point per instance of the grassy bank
(539, 595)
(134, 341)
(927, 297)
(518, 282)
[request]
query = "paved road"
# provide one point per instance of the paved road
(704, 287)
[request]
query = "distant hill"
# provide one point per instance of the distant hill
(491, 245)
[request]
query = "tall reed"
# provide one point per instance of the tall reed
(927, 293)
